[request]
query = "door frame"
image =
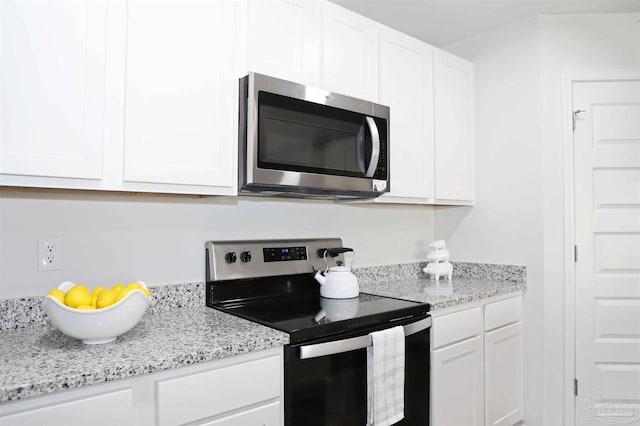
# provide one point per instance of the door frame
(569, 77)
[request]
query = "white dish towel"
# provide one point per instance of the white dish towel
(385, 377)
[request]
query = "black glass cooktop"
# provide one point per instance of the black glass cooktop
(309, 316)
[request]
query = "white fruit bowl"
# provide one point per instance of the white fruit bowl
(100, 325)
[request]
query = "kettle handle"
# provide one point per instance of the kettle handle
(333, 252)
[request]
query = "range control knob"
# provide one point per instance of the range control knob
(230, 257)
(245, 256)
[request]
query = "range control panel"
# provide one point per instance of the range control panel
(282, 254)
(227, 260)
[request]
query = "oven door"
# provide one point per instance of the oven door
(326, 384)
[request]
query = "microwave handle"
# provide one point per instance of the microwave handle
(375, 147)
(355, 343)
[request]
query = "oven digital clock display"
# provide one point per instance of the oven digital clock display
(283, 254)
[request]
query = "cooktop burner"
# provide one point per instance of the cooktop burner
(276, 288)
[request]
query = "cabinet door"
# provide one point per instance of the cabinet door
(219, 390)
(457, 386)
(180, 101)
(114, 408)
(406, 86)
(52, 60)
(283, 39)
(268, 415)
(504, 376)
(454, 129)
(349, 53)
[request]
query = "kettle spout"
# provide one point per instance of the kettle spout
(320, 278)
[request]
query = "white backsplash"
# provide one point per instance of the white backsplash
(109, 238)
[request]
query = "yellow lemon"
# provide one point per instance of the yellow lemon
(117, 287)
(57, 293)
(134, 285)
(145, 291)
(123, 293)
(106, 298)
(81, 286)
(77, 296)
(94, 300)
(86, 307)
(96, 290)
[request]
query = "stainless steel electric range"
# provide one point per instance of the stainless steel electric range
(271, 282)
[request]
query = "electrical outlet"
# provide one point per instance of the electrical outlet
(50, 253)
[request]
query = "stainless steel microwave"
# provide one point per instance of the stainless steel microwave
(307, 142)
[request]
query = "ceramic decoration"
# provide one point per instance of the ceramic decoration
(439, 265)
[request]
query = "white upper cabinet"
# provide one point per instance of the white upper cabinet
(281, 38)
(406, 86)
(180, 95)
(349, 53)
(52, 70)
(454, 129)
(147, 100)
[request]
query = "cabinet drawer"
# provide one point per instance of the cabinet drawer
(114, 408)
(502, 313)
(457, 326)
(196, 397)
(268, 415)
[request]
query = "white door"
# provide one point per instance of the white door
(180, 94)
(457, 388)
(283, 39)
(406, 86)
(350, 53)
(52, 79)
(503, 376)
(454, 143)
(607, 208)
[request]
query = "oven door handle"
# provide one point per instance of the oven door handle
(355, 343)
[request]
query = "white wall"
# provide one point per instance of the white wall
(160, 239)
(587, 42)
(505, 224)
(520, 209)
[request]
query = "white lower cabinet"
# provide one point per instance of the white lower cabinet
(457, 383)
(269, 415)
(477, 374)
(457, 369)
(504, 371)
(243, 390)
(112, 408)
(504, 396)
(199, 396)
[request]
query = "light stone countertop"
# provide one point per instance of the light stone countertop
(41, 360)
(178, 330)
(442, 294)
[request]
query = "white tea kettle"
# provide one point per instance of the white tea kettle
(338, 282)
